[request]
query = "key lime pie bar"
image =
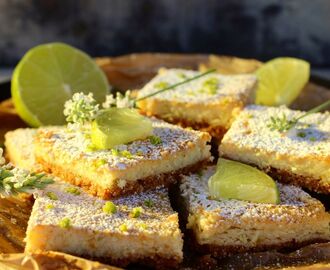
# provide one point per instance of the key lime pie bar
(126, 168)
(209, 103)
(296, 152)
(226, 226)
(140, 228)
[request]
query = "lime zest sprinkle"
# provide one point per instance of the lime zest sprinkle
(161, 85)
(139, 153)
(143, 226)
(115, 152)
(182, 75)
(51, 195)
(50, 206)
(101, 162)
(301, 134)
(91, 148)
(312, 139)
(123, 227)
(73, 190)
(210, 86)
(65, 223)
(136, 212)
(148, 203)
(109, 208)
(126, 154)
(155, 140)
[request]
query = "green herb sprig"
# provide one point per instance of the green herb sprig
(282, 123)
(14, 181)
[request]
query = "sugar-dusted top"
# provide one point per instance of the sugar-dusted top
(167, 139)
(208, 88)
(310, 136)
(86, 212)
(295, 203)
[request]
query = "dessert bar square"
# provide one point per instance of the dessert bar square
(300, 155)
(210, 103)
(140, 228)
(228, 226)
(126, 169)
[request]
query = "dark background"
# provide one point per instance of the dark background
(260, 29)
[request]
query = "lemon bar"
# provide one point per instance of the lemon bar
(300, 155)
(224, 227)
(126, 169)
(210, 103)
(140, 228)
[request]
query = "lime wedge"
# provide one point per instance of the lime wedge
(117, 126)
(235, 180)
(50, 74)
(281, 80)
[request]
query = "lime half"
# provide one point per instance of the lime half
(281, 80)
(50, 74)
(117, 126)
(235, 180)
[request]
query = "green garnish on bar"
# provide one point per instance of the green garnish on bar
(109, 208)
(72, 190)
(52, 196)
(136, 212)
(148, 203)
(65, 223)
(50, 206)
(15, 180)
(123, 227)
(235, 180)
(155, 140)
(283, 124)
(210, 86)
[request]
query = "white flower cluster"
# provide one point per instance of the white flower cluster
(119, 101)
(17, 180)
(81, 108)
(2, 159)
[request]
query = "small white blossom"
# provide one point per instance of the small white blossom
(2, 159)
(119, 101)
(19, 177)
(81, 108)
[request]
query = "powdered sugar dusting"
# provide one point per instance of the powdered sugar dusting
(77, 142)
(234, 86)
(295, 202)
(311, 136)
(85, 211)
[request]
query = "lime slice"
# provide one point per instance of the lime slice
(117, 126)
(235, 180)
(281, 80)
(50, 74)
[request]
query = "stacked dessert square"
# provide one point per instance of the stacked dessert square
(114, 204)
